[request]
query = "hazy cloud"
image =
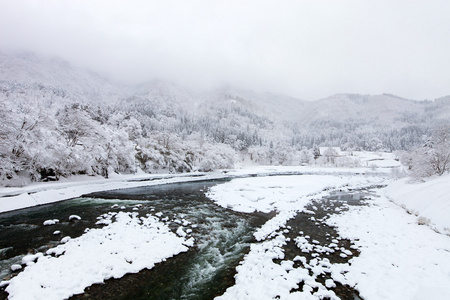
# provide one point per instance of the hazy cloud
(309, 49)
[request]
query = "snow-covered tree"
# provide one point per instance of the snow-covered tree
(218, 156)
(434, 156)
(316, 152)
(306, 156)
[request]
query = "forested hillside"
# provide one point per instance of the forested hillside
(58, 121)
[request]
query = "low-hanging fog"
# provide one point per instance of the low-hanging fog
(306, 49)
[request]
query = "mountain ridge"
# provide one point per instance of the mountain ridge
(32, 79)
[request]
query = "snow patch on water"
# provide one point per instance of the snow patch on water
(74, 217)
(51, 222)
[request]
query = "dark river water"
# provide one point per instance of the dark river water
(222, 238)
(205, 271)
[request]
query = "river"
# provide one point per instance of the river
(222, 238)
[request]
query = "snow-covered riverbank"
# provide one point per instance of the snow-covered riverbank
(399, 258)
(259, 276)
(127, 245)
(389, 239)
(13, 198)
(49, 192)
(428, 199)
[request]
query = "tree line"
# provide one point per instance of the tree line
(46, 134)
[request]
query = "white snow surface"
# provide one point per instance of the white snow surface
(128, 245)
(258, 276)
(399, 259)
(429, 200)
(280, 193)
(50, 222)
(74, 217)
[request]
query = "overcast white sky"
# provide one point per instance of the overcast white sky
(308, 49)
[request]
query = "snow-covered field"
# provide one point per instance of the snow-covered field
(399, 259)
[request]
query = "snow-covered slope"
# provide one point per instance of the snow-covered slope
(28, 71)
(276, 106)
(33, 72)
(372, 108)
(429, 200)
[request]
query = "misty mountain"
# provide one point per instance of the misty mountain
(30, 72)
(277, 107)
(63, 120)
(372, 108)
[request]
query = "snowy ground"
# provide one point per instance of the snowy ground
(259, 277)
(429, 200)
(399, 259)
(266, 194)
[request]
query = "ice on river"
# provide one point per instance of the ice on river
(127, 245)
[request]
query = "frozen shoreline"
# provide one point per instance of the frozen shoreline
(259, 276)
(127, 245)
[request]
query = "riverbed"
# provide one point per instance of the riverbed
(222, 238)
